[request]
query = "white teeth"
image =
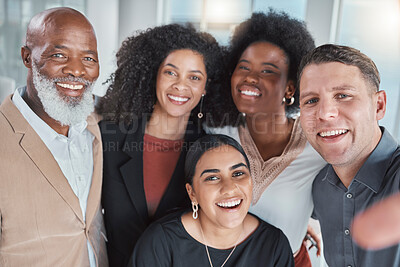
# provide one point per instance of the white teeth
(333, 132)
(70, 86)
(249, 93)
(229, 204)
(178, 98)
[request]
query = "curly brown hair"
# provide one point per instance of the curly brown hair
(132, 89)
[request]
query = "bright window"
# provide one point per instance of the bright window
(219, 17)
(373, 27)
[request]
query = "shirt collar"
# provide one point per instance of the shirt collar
(373, 170)
(40, 127)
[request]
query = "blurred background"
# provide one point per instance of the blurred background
(369, 25)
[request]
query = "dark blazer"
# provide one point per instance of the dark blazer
(123, 196)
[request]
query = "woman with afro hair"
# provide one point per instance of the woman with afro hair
(152, 112)
(260, 112)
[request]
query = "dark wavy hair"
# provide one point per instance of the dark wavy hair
(132, 91)
(202, 145)
(290, 34)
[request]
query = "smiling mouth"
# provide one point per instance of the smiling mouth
(249, 93)
(179, 99)
(70, 86)
(333, 133)
(229, 204)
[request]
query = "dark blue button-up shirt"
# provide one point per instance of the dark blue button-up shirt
(335, 206)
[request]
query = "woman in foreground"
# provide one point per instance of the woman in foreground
(219, 231)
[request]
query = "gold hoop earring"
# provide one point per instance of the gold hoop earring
(195, 208)
(285, 100)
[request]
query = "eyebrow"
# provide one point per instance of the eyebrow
(210, 171)
(241, 164)
(86, 51)
(175, 67)
(264, 63)
(230, 168)
(343, 87)
(60, 46)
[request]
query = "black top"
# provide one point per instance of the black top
(335, 206)
(123, 197)
(166, 243)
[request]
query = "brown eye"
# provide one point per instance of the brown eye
(58, 55)
(90, 59)
(238, 173)
(211, 178)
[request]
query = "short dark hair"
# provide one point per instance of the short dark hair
(277, 28)
(132, 89)
(346, 55)
(202, 145)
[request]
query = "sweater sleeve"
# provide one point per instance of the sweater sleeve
(152, 249)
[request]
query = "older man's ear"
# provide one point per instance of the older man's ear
(26, 56)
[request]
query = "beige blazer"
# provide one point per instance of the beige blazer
(40, 217)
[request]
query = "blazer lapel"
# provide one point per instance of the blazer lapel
(41, 156)
(175, 195)
(93, 201)
(132, 170)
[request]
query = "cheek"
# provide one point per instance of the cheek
(161, 84)
(49, 68)
(200, 88)
(308, 123)
(93, 72)
(246, 187)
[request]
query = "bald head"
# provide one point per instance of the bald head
(58, 18)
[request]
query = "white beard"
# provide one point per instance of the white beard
(66, 110)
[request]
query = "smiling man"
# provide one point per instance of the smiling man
(341, 105)
(51, 154)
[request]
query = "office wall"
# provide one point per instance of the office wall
(113, 21)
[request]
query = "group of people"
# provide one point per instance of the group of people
(198, 155)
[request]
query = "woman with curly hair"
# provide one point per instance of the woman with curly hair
(264, 54)
(151, 115)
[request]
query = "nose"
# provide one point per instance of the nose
(228, 187)
(252, 77)
(180, 85)
(327, 109)
(75, 67)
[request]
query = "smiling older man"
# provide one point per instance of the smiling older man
(51, 154)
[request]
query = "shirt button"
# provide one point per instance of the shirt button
(347, 232)
(349, 195)
(349, 266)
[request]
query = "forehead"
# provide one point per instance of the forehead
(331, 75)
(66, 31)
(185, 56)
(264, 51)
(221, 157)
